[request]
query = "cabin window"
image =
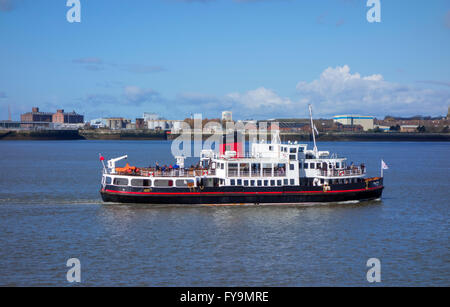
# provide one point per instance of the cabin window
(292, 167)
(184, 182)
(239, 182)
(313, 165)
(141, 182)
(270, 148)
(280, 170)
(108, 180)
(286, 182)
(267, 170)
(163, 183)
(256, 169)
(266, 182)
(293, 150)
(279, 182)
(232, 169)
(244, 169)
(318, 166)
(252, 183)
(120, 181)
(246, 183)
(259, 183)
(222, 165)
(272, 182)
(232, 182)
(292, 181)
(300, 149)
(338, 165)
(292, 157)
(305, 166)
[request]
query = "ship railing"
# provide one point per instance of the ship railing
(171, 173)
(265, 173)
(355, 171)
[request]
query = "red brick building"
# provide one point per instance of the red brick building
(67, 118)
(33, 118)
(36, 116)
(140, 123)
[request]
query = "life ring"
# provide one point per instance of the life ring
(341, 173)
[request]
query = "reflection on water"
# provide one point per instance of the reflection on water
(48, 217)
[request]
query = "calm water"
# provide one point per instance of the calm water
(50, 211)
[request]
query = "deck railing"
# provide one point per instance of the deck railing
(355, 171)
(170, 173)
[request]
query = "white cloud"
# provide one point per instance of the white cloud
(339, 91)
(261, 97)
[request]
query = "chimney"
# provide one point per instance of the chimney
(35, 110)
(60, 111)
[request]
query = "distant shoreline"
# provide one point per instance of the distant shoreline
(155, 135)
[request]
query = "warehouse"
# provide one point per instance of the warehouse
(353, 120)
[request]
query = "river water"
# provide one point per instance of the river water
(50, 211)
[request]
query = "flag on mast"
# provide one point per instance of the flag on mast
(102, 159)
(383, 167)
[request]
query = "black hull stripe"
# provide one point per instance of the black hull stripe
(237, 193)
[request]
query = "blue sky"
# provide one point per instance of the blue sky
(260, 59)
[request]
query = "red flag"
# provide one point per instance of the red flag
(101, 158)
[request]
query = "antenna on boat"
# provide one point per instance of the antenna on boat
(312, 129)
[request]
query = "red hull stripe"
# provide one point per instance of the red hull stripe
(239, 193)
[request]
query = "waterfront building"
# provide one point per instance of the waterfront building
(151, 116)
(227, 116)
(367, 122)
(35, 116)
(140, 123)
(99, 123)
(383, 128)
(409, 128)
(67, 118)
(115, 123)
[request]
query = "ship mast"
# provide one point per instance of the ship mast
(312, 129)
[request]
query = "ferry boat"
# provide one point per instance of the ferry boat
(270, 173)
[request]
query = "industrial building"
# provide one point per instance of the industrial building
(35, 118)
(151, 116)
(409, 128)
(164, 124)
(99, 123)
(116, 123)
(367, 122)
(67, 118)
